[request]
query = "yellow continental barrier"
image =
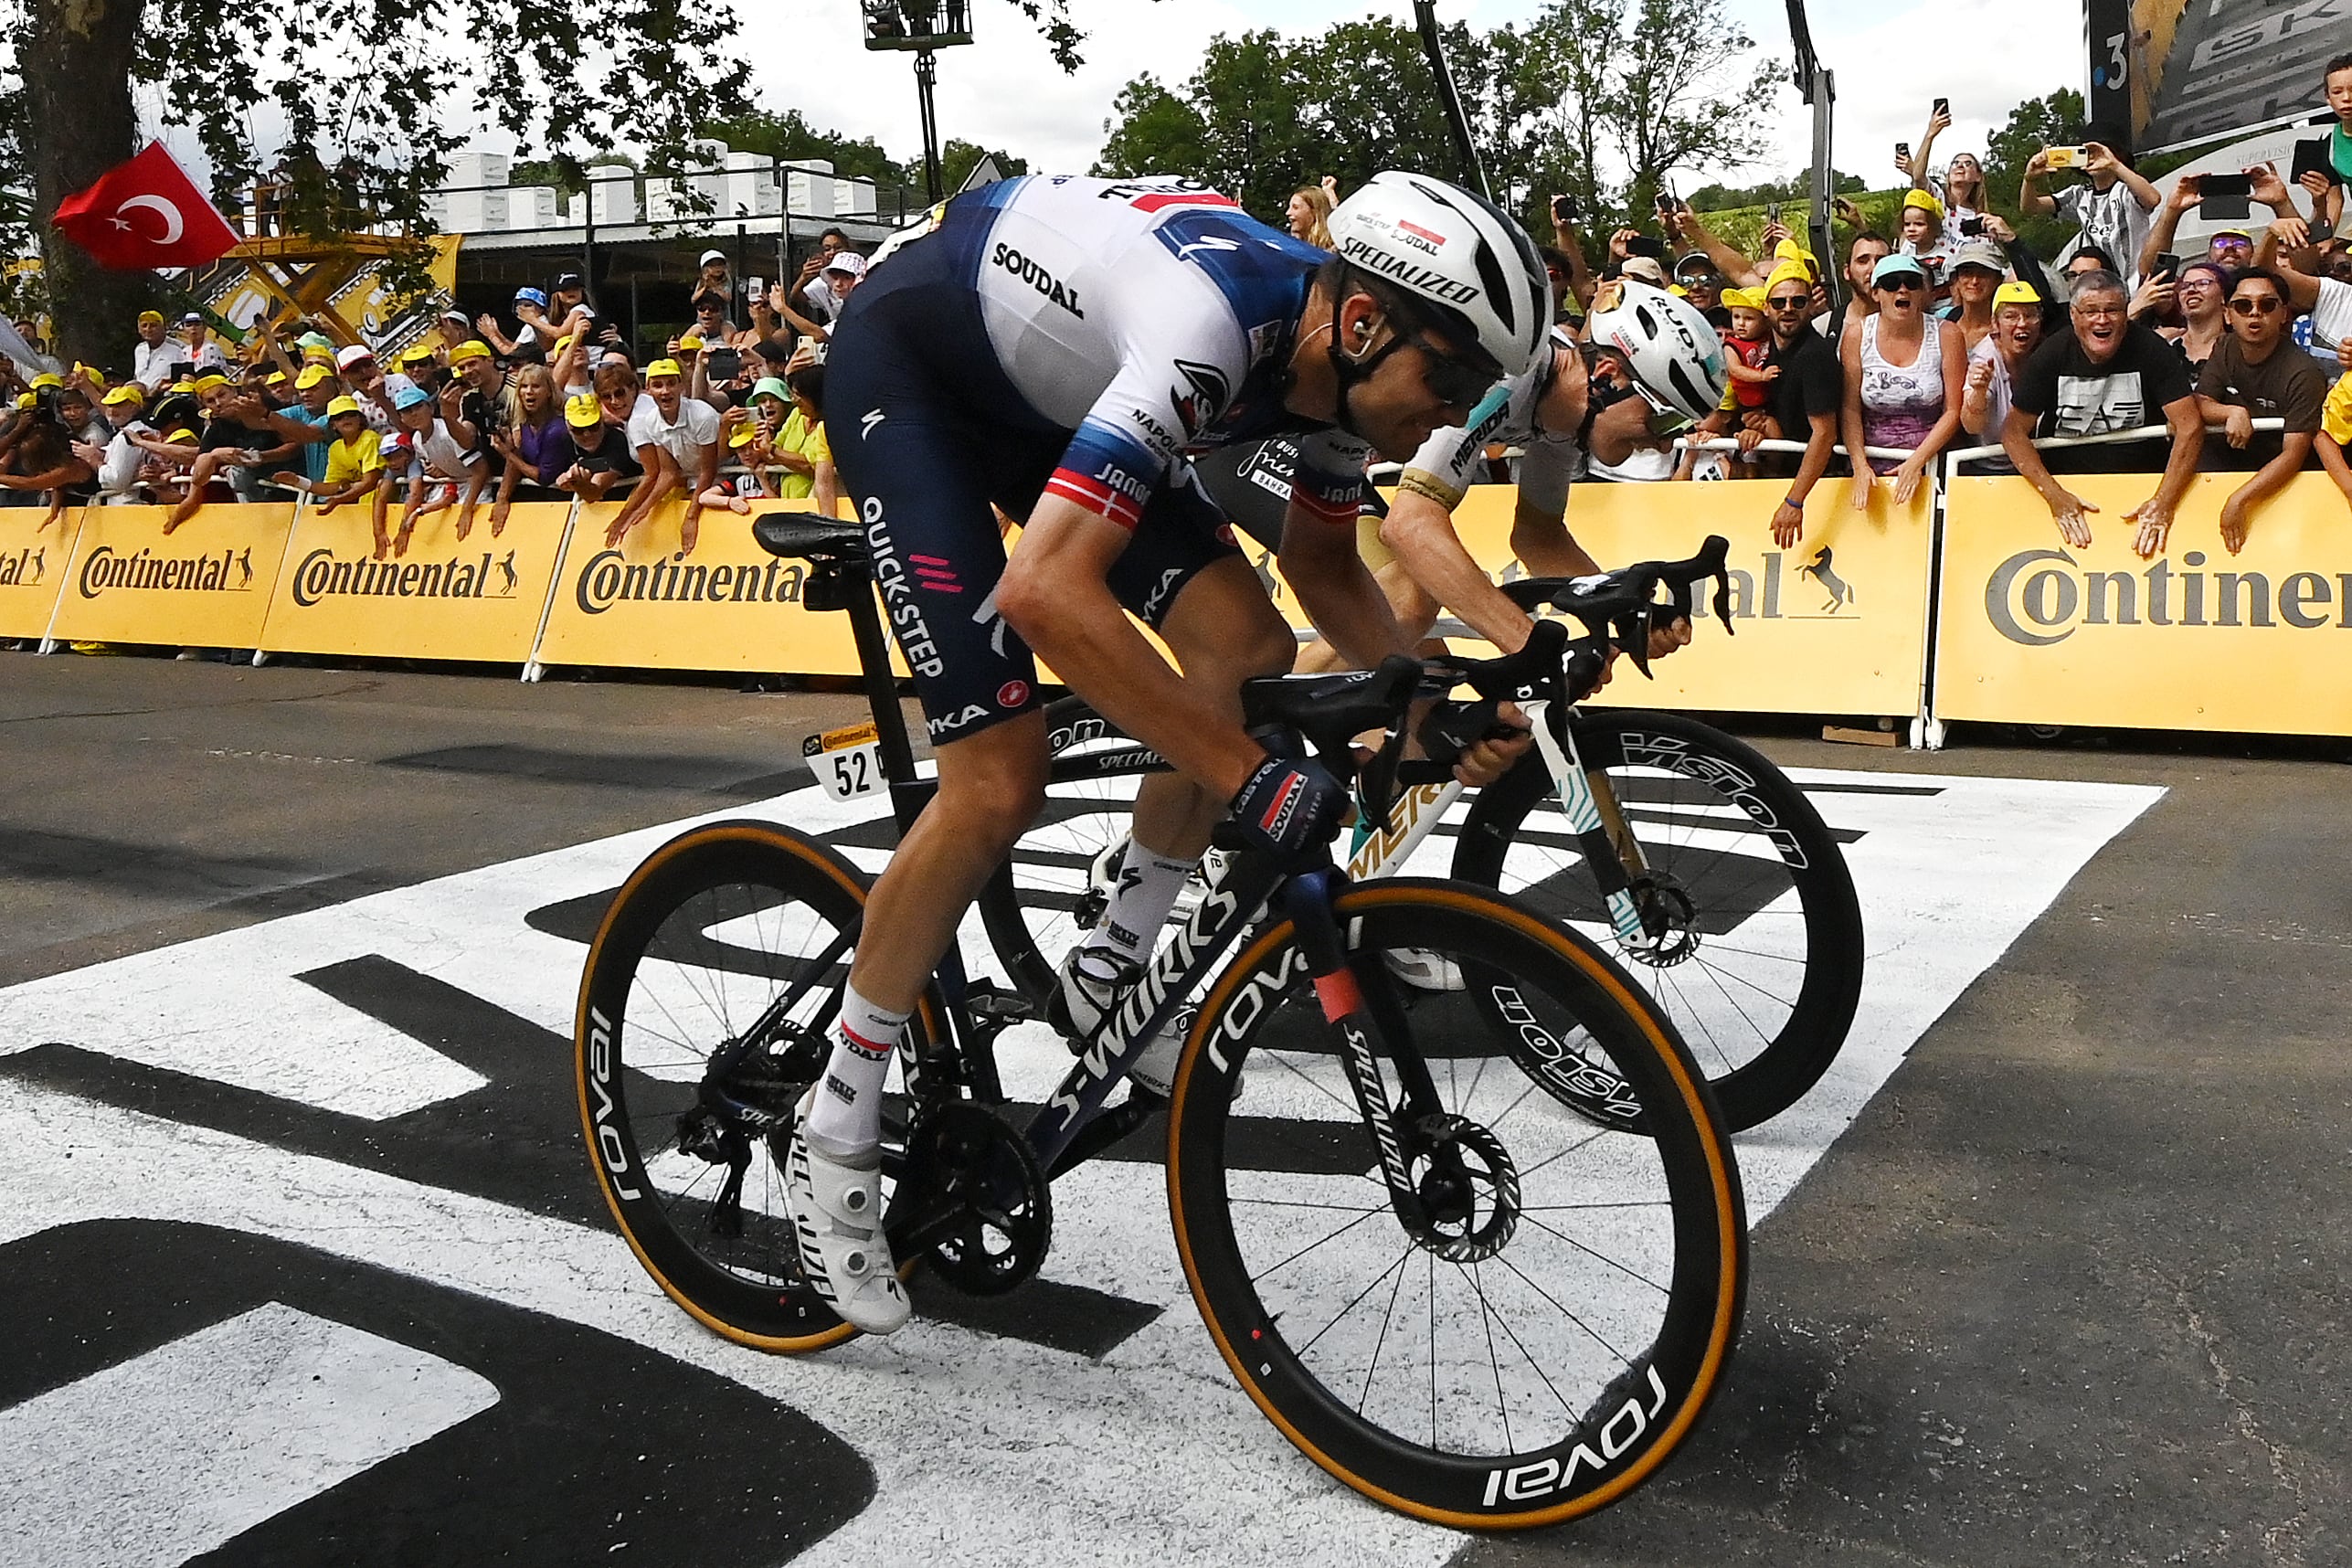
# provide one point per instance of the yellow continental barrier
(206, 585)
(1835, 624)
(2031, 630)
(480, 598)
(730, 605)
(33, 566)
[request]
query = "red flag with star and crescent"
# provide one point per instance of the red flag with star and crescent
(145, 213)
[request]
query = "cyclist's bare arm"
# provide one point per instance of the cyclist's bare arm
(1336, 589)
(1420, 529)
(1055, 594)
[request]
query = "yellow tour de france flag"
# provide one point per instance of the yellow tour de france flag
(478, 598)
(2034, 630)
(206, 585)
(33, 555)
(729, 605)
(1835, 623)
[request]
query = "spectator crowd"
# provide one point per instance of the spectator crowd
(1948, 334)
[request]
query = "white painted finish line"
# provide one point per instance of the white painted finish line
(171, 1454)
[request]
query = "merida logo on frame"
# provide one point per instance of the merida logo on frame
(103, 568)
(2038, 598)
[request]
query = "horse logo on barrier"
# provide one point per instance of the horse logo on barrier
(1841, 592)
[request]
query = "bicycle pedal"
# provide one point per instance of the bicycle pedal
(987, 999)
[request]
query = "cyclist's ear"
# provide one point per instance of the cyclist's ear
(1363, 326)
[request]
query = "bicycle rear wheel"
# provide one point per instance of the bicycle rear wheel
(1538, 1345)
(729, 927)
(1760, 964)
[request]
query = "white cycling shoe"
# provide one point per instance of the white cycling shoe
(837, 1214)
(1086, 998)
(1424, 969)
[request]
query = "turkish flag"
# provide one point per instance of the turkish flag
(146, 213)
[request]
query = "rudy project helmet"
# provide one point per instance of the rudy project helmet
(1669, 346)
(1458, 254)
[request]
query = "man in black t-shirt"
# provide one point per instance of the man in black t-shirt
(2255, 373)
(600, 457)
(2107, 374)
(1802, 402)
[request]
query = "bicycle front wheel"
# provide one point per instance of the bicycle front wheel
(1756, 947)
(732, 937)
(1539, 1339)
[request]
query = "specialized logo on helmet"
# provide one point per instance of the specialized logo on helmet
(1420, 280)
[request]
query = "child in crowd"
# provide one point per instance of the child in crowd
(1748, 348)
(1921, 235)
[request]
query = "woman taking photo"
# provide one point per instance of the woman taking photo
(2201, 292)
(1904, 376)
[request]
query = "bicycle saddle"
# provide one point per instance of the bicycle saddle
(809, 536)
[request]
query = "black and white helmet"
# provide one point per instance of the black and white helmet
(1456, 251)
(1672, 349)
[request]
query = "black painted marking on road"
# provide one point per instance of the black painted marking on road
(1852, 789)
(595, 1443)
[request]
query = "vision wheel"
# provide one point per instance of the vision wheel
(1537, 1341)
(1753, 935)
(731, 941)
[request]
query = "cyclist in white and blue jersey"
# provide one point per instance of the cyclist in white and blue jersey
(1056, 347)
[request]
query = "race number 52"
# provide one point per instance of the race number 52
(847, 762)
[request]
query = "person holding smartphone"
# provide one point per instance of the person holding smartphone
(2114, 210)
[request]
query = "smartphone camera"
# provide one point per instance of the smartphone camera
(1944, 108)
(1972, 229)
(1902, 150)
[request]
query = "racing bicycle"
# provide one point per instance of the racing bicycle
(1707, 871)
(1409, 1243)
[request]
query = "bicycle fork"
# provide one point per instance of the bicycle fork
(1601, 831)
(1363, 1032)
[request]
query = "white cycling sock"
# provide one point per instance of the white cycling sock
(1148, 885)
(846, 1116)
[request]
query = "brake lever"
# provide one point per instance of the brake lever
(1709, 562)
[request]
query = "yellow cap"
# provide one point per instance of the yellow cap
(343, 404)
(1741, 299)
(417, 354)
(2016, 294)
(323, 353)
(471, 348)
(742, 437)
(691, 343)
(46, 378)
(664, 367)
(182, 435)
(565, 342)
(24, 400)
(275, 379)
(1925, 201)
(206, 383)
(181, 384)
(583, 410)
(146, 316)
(312, 376)
(129, 392)
(1788, 272)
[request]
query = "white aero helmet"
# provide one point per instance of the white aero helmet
(1456, 252)
(1670, 348)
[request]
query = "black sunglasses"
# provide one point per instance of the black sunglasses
(2251, 304)
(1452, 381)
(1789, 301)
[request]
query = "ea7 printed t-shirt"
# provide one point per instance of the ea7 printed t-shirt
(2068, 396)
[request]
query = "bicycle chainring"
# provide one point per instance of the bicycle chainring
(971, 1176)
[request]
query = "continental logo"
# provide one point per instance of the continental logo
(2038, 598)
(605, 580)
(25, 569)
(322, 575)
(105, 570)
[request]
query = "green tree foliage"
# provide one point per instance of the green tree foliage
(372, 97)
(2051, 121)
(1588, 85)
(958, 158)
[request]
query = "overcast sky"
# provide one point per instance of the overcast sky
(1004, 90)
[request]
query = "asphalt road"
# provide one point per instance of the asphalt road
(2071, 1289)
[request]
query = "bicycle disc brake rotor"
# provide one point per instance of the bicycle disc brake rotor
(1670, 919)
(972, 1181)
(1469, 1191)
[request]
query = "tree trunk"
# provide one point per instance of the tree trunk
(77, 65)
